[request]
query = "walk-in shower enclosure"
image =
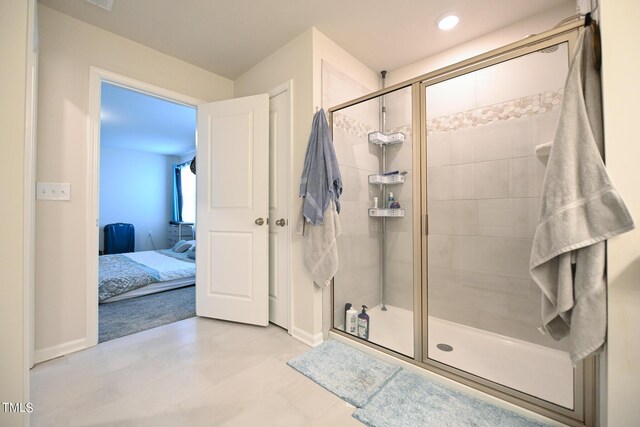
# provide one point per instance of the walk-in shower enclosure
(444, 270)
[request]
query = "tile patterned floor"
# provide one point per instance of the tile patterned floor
(196, 372)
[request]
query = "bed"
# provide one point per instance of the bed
(133, 274)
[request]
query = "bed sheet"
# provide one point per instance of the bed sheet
(125, 272)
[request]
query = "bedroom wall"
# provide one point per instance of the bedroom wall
(68, 47)
(136, 187)
(14, 379)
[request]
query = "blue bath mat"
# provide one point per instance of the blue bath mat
(409, 399)
(346, 372)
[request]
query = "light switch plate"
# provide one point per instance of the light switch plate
(53, 191)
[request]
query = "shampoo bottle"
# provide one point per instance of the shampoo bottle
(390, 200)
(347, 306)
(363, 323)
(351, 325)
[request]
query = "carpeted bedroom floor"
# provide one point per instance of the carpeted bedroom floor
(121, 318)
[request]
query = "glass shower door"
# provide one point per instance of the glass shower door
(375, 155)
(488, 135)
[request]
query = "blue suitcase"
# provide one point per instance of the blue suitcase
(119, 238)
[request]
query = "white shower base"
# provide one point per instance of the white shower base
(392, 329)
(530, 368)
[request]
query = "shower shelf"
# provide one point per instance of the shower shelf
(377, 212)
(380, 138)
(386, 179)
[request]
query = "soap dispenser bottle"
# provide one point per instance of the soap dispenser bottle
(351, 323)
(363, 323)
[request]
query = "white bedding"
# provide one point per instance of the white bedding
(168, 268)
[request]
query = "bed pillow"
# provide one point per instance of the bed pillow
(192, 254)
(181, 246)
(193, 245)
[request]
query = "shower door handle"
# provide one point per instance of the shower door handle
(426, 224)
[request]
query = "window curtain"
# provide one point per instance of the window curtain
(177, 192)
(184, 193)
(188, 180)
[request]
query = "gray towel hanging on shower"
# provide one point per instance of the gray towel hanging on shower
(580, 209)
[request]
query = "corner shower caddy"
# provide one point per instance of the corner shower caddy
(383, 140)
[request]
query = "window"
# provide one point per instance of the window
(184, 193)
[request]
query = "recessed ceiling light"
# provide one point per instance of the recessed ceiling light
(447, 22)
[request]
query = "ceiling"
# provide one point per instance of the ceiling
(134, 120)
(228, 37)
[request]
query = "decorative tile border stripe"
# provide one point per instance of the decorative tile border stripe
(516, 108)
(361, 130)
(352, 126)
(407, 130)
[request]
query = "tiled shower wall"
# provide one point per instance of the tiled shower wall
(358, 278)
(483, 190)
(400, 230)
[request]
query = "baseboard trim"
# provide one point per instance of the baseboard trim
(52, 352)
(306, 338)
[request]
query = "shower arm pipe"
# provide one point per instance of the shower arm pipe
(473, 62)
(383, 105)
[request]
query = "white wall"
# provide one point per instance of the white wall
(301, 61)
(621, 92)
(293, 61)
(325, 50)
(496, 39)
(136, 187)
(68, 47)
(14, 380)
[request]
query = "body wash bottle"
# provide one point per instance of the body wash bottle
(363, 323)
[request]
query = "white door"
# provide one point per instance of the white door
(279, 141)
(232, 258)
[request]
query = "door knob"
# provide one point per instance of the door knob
(259, 221)
(281, 222)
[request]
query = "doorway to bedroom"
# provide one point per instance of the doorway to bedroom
(147, 206)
